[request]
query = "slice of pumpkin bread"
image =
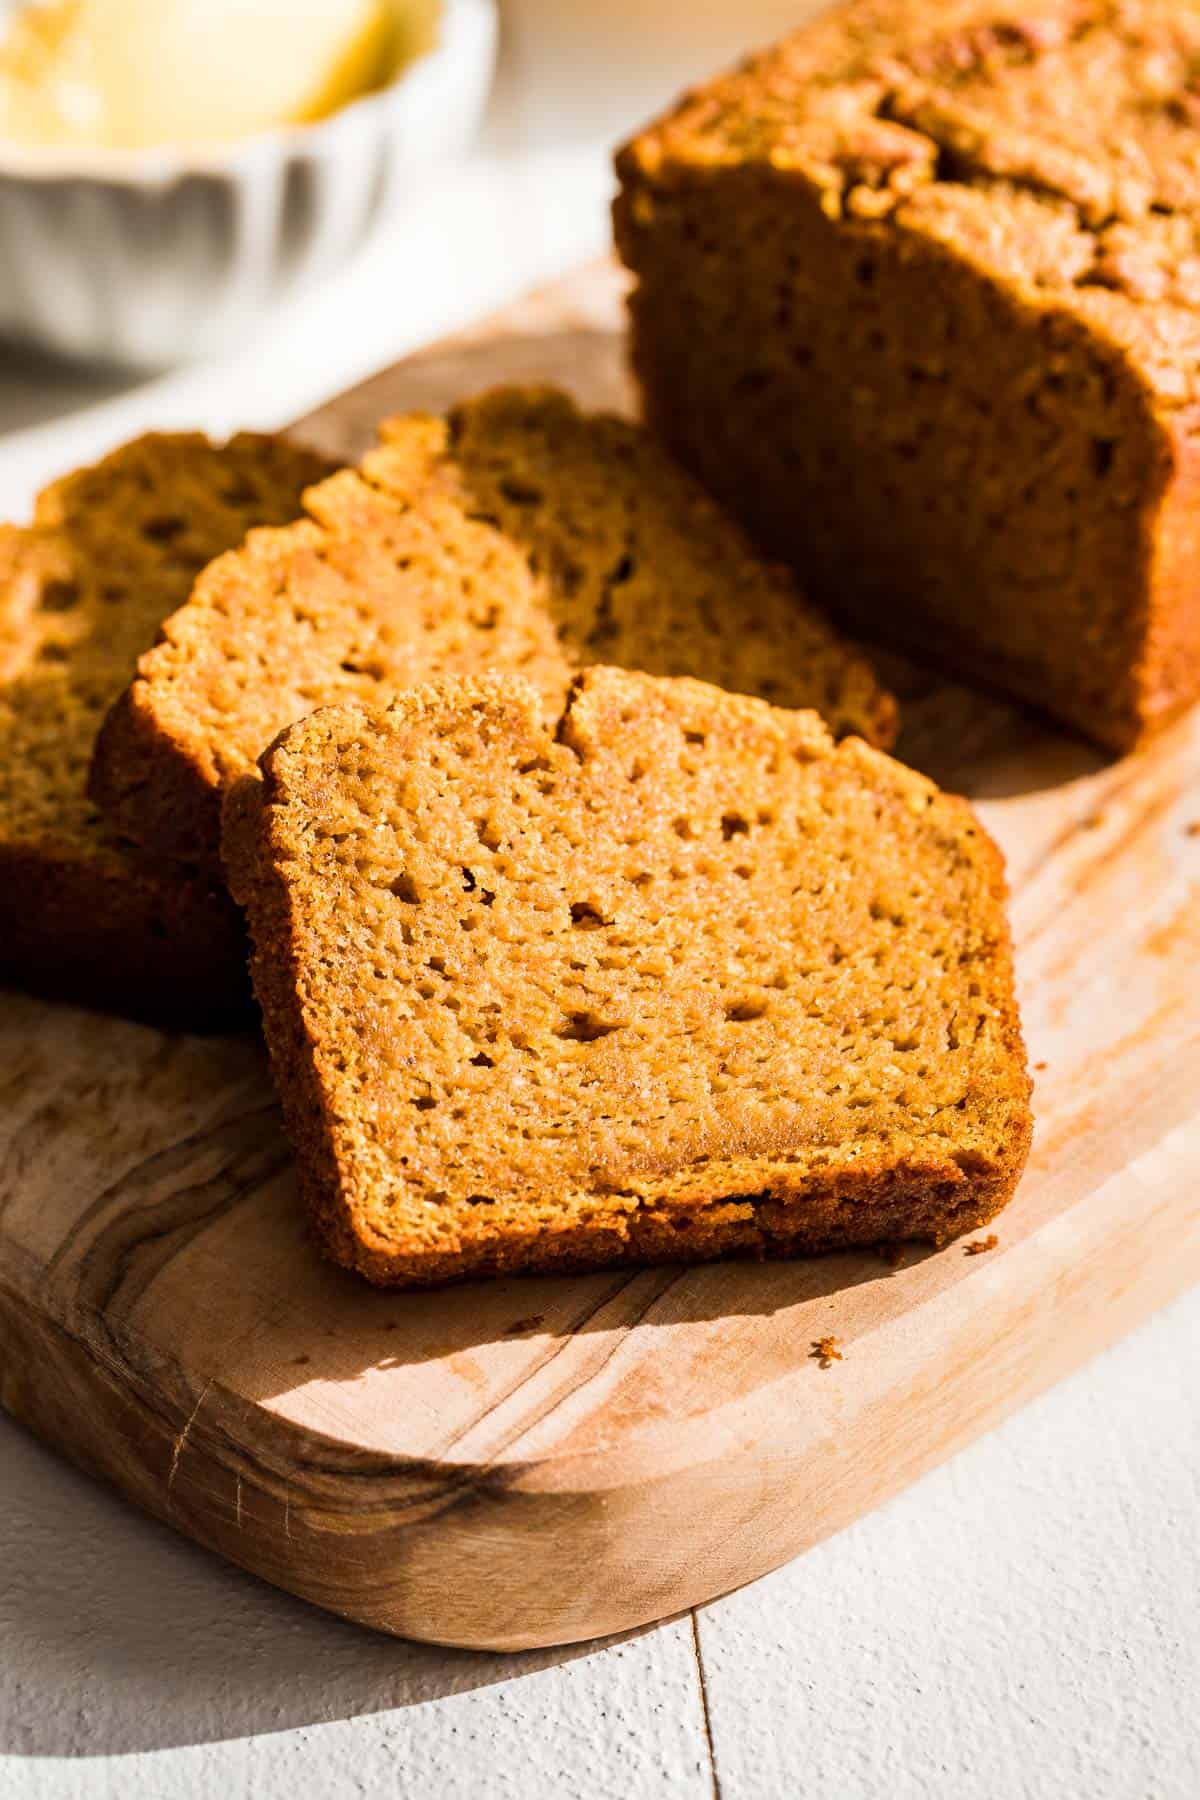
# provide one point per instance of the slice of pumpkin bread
(111, 551)
(518, 535)
(675, 978)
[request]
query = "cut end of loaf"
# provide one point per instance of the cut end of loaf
(933, 269)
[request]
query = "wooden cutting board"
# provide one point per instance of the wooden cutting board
(541, 1461)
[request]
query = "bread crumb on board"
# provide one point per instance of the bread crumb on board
(825, 1352)
(978, 1246)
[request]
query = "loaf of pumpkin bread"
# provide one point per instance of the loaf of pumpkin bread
(517, 535)
(667, 978)
(918, 296)
(83, 590)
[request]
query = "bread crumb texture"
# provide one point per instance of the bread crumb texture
(981, 1246)
(516, 536)
(671, 978)
(83, 590)
(936, 269)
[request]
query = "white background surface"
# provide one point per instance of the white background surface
(1024, 1622)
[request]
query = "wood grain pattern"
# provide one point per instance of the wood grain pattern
(541, 1461)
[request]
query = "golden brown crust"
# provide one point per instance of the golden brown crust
(83, 590)
(260, 888)
(1169, 668)
(517, 535)
(141, 771)
(675, 980)
(122, 935)
(940, 270)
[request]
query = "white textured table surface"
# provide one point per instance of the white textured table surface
(1024, 1622)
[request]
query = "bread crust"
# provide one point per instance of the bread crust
(1168, 673)
(143, 772)
(120, 935)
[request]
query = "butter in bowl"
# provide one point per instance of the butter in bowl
(170, 169)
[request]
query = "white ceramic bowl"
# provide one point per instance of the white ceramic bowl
(147, 258)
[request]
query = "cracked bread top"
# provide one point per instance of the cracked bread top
(1053, 143)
